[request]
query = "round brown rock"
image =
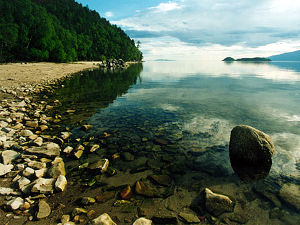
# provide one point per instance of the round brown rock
(250, 152)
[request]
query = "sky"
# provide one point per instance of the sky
(206, 29)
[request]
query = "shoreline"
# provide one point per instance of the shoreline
(32, 170)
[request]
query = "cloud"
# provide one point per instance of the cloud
(109, 14)
(250, 24)
(165, 7)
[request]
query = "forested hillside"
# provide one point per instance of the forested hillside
(59, 31)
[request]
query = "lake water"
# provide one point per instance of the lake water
(175, 118)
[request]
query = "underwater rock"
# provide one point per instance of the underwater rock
(250, 152)
(217, 204)
(126, 193)
(189, 217)
(44, 210)
(104, 219)
(290, 193)
(101, 164)
(142, 221)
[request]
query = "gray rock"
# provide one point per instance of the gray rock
(189, 217)
(250, 152)
(8, 156)
(48, 149)
(290, 194)
(217, 204)
(4, 169)
(61, 183)
(104, 219)
(15, 203)
(44, 210)
(44, 186)
(101, 165)
(142, 221)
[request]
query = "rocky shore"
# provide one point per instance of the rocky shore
(48, 176)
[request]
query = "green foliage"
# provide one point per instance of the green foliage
(59, 31)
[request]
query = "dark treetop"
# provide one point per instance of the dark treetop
(59, 31)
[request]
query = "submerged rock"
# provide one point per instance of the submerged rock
(142, 221)
(189, 217)
(250, 152)
(217, 204)
(44, 210)
(104, 219)
(101, 165)
(290, 194)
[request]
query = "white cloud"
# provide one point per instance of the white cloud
(109, 14)
(165, 7)
(261, 27)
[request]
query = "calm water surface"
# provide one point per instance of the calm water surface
(188, 109)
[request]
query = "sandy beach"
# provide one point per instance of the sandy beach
(14, 75)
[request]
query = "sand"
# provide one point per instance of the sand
(14, 75)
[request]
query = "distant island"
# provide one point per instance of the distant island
(289, 56)
(255, 59)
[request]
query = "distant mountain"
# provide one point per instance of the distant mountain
(290, 56)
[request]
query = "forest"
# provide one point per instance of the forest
(60, 31)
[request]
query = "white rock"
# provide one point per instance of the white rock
(104, 219)
(4, 169)
(142, 221)
(8, 191)
(3, 124)
(3, 138)
(41, 172)
(36, 165)
(15, 203)
(44, 186)
(61, 183)
(8, 156)
(20, 166)
(23, 182)
(38, 141)
(28, 172)
(26, 133)
(68, 150)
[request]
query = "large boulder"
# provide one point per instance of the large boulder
(250, 152)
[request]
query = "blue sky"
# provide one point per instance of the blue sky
(206, 29)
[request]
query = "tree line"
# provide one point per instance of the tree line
(60, 31)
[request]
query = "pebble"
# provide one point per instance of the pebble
(61, 183)
(142, 221)
(4, 169)
(15, 203)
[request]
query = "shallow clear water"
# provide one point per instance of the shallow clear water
(190, 108)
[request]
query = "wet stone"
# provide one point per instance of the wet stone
(104, 197)
(189, 217)
(163, 180)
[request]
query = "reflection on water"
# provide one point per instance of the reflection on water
(180, 114)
